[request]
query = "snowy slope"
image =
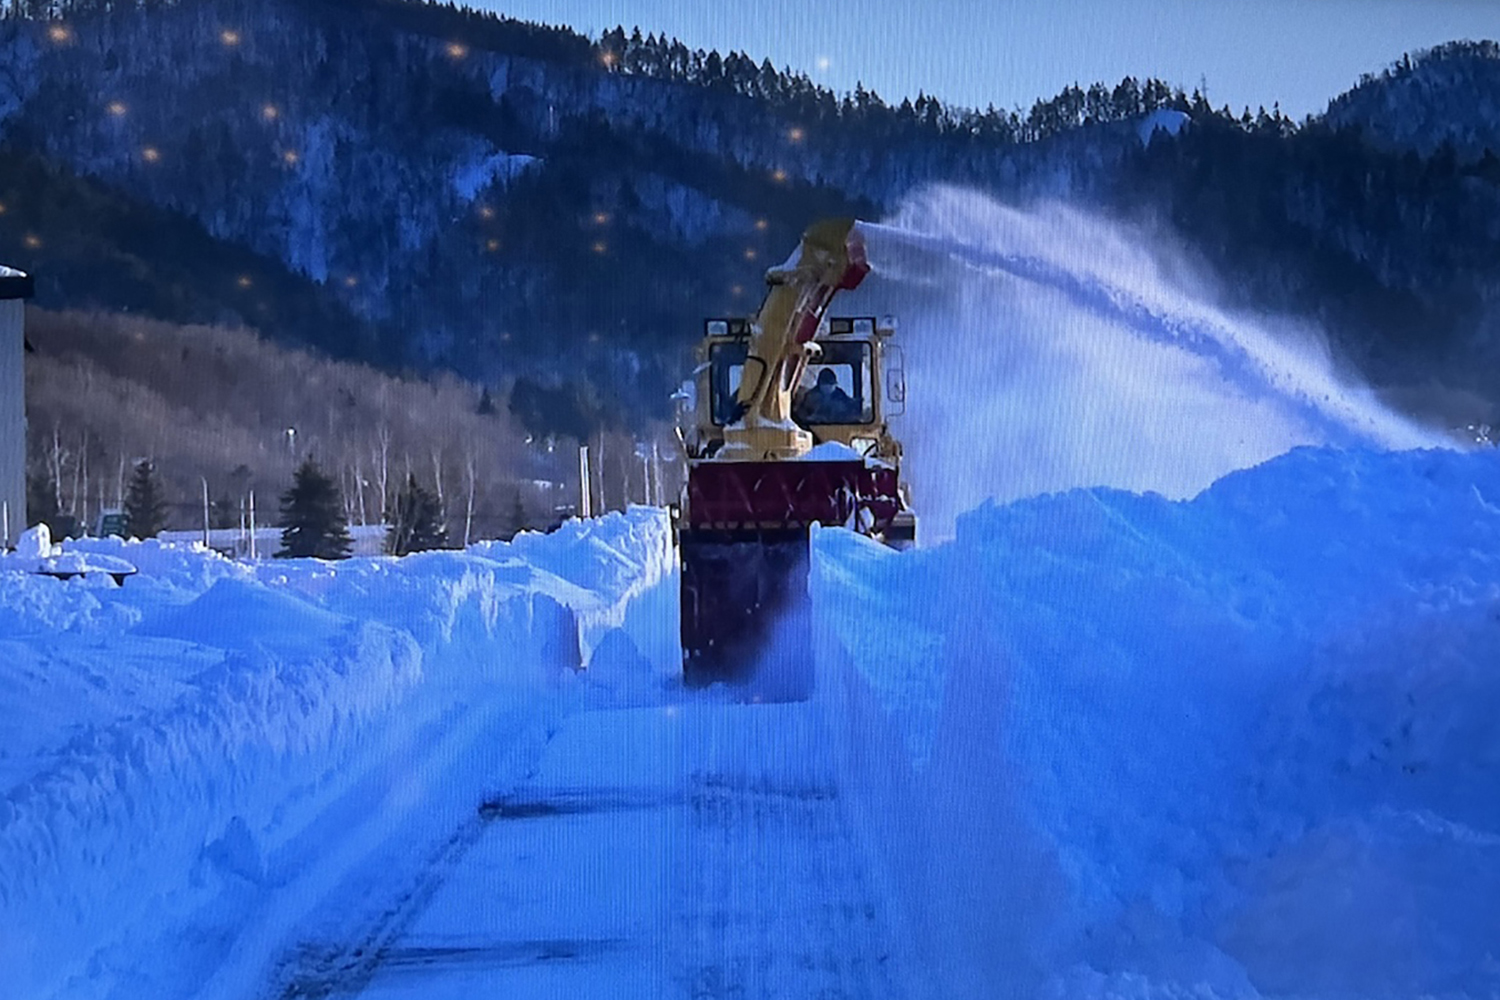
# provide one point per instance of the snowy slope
(1121, 745)
(178, 751)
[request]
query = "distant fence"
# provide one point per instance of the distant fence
(369, 540)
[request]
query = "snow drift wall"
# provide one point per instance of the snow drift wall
(1243, 744)
(172, 746)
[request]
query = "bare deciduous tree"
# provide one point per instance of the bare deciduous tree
(216, 403)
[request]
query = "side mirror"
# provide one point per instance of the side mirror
(895, 386)
(895, 379)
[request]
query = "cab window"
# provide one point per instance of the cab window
(835, 389)
(726, 369)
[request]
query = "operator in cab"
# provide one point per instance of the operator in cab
(825, 402)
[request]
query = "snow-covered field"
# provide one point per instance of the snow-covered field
(1115, 745)
(1099, 744)
(191, 760)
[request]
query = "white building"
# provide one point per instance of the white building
(15, 288)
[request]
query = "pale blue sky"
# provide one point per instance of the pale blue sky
(1009, 52)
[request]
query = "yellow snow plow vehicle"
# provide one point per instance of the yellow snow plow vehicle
(785, 427)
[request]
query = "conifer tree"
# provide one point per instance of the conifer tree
(416, 521)
(145, 508)
(519, 520)
(312, 517)
(41, 502)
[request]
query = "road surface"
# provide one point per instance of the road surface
(691, 850)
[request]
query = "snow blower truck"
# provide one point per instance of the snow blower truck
(784, 426)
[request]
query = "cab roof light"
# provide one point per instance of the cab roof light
(857, 326)
(727, 327)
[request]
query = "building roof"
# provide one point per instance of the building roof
(15, 284)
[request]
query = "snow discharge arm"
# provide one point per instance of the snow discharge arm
(830, 258)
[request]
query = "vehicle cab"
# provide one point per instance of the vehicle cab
(852, 382)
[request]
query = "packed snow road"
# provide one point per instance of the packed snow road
(690, 850)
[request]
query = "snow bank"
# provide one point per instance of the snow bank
(171, 747)
(638, 625)
(1243, 744)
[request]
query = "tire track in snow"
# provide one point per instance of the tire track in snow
(776, 902)
(389, 892)
(696, 851)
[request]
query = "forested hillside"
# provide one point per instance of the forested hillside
(417, 185)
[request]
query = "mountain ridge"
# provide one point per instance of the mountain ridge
(1449, 94)
(566, 209)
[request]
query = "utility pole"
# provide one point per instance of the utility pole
(205, 512)
(640, 452)
(656, 469)
(584, 493)
(252, 525)
(603, 471)
(469, 508)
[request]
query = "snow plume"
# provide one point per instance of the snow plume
(1049, 349)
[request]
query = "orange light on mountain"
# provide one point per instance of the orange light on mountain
(116, 108)
(270, 112)
(749, 253)
(229, 37)
(601, 247)
(60, 34)
(456, 50)
(31, 241)
(244, 281)
(486, 212)
(796, 134)
(492, 245)
(761, 224)
(151, 154)
(779, 176)
(290, 158)
(351, 281)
